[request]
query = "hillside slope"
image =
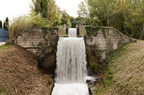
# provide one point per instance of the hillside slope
(19, 74)
(127, 71)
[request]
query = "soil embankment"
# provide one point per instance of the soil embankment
(19, 74)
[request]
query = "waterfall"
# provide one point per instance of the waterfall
(72, 32)
(71, 69)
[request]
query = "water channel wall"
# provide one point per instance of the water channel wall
(99, 41)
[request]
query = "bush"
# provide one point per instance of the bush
(6, 24)
(37, 20)
(25, 23)
(18, 25)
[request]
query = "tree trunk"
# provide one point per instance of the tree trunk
(108, 23)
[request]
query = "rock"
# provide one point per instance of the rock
(93, 90)
(91, 81)
(132, 40)
(10, 41)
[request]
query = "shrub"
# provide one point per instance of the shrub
(6, 24)
(19, 24)
(25, 23)
(37, 20)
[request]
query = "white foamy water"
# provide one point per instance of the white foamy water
(71, 67)
(72, 32)
(70, 89)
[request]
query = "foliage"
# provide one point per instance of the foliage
(125, 15)
(40, 6)
(2, 47)
(98, 68)
(2, 92)
(0, 24)
(83, 10)
(64, 17)
(48, 11)
(36, 20)
(92, 30)
(25, 23)
(102, 10)
(52, 12)
(18, 25)
(6, 24)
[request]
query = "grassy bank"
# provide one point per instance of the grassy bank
(125, 75)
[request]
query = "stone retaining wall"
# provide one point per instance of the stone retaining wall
(99, 42)
(43, 43)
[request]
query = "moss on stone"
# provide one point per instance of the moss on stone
(92, 30)
(50, 28)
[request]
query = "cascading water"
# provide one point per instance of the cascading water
(71, 66)
(72, 32)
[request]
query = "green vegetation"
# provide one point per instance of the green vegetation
(124, 75)
(19, 24)
(2, 92)
(98, 68)
(37, 20)
(124, 15)
(92, 30)
(5, 46)
(50, 12)
(44, 13)
(6, 24)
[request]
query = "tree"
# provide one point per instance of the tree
(64, 17)
(0, 24)
(48, 10)
(136, 23)
(40, 6)
(102, 9)
(125, 15)
(83, 10)
(6, 24)
(52, 12)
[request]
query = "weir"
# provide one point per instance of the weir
(71, 63)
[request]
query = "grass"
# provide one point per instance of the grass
(2, 47)
(125, 74)
(2, 92)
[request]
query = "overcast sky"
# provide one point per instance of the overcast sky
(14, 8)
(70, 5)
